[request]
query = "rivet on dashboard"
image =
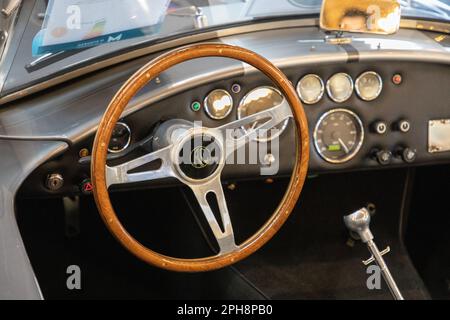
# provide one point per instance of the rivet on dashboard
(231, 187)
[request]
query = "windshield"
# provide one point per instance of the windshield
(81, 24)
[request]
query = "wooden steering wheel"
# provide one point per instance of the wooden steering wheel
(104, 176)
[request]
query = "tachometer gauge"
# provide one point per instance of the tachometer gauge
(120, 138)
(369, 85)
(340, 87)
(218, 104)
(310, 88)
(338, 135)
(258, 100)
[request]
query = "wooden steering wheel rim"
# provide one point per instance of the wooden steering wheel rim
(112, 115)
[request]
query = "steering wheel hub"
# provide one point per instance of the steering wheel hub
(199, 157)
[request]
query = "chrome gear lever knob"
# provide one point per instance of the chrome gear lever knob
(359, 222)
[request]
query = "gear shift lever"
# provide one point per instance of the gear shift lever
(359, 222)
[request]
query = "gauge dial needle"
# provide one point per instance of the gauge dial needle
(343, 145)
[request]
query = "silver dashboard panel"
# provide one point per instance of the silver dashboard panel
(438, 135)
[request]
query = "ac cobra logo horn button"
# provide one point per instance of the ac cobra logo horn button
(202, 158)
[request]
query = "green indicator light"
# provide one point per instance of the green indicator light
(334, 147)
(196, 106)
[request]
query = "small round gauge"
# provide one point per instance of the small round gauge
(310, 88)
(120, 138)
(338, 135)
(258, 100)
(340, 87)
(369, 85)
(218, 104)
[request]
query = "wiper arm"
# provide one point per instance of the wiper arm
(12, 6)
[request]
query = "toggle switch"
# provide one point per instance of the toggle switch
(407, 154)
(383, 157)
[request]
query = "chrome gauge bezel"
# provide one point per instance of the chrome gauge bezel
(350, 91)
(351, 155)
(128, 141)
(238, 114)
(357, 87)
(322, 89)
(207, 107)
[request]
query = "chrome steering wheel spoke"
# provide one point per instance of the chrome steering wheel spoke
(225, 236)
(120, 174)
(235, 136)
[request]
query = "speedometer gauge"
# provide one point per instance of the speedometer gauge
(340, 87)
(369, 85)
(258, 100)
(338, 135)
(310, 88)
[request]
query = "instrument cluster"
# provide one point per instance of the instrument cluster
(340, 87)
(338, 134)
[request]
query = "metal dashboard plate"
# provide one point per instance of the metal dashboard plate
(438, 135)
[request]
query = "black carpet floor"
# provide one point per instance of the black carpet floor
(311, 257)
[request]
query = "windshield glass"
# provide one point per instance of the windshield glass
(80, 24)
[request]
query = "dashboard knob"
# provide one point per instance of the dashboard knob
(403, 126)
(383, 157)
(408, 155)
(379, 127)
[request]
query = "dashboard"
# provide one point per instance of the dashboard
(361, 116)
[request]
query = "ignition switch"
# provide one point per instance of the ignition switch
(54, 182)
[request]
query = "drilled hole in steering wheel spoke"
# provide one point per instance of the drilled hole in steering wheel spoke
(211, 198)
